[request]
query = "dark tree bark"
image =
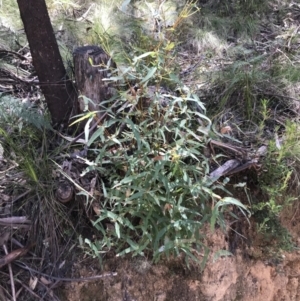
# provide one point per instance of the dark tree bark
(58, 90)
(89, 77)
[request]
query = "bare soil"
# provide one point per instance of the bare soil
(249, 275)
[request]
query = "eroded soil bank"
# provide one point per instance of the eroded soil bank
(245, 276)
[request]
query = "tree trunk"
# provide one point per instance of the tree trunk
(91, 66)
(57, 88)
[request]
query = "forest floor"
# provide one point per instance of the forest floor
(259, 269)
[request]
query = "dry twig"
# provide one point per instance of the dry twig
(11, 276)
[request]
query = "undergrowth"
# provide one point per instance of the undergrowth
(156, 194)
(149, 152)
(279, 183)
(12, 111)
(29, 175)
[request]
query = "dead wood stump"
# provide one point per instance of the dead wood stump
(92, 65)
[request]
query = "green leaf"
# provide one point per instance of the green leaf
(159, 236)
(150, 53)
(141, 248)
(135, 131)
(84, 117)
(126, 251)
(231, 201)
(149, 75)
(117, 228)
(129, 179)
(111, 215)
(98, 134)
(170, 46)
(137, 195)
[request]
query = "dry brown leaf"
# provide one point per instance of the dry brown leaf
(158, 158)
(45, 281)
(96, 208)
(33, 282)
(167, 207)
(226, 130)
(13, 256)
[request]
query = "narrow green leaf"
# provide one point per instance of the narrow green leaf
(136, 195)
(126, 251)
(150, 53)
(117, 228)
(98, 134)
(84, 117)
(150, 74)
(231, 201)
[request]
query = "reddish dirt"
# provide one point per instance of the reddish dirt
(246, 276)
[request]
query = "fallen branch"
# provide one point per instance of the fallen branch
(224, 169)
(234, 165)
